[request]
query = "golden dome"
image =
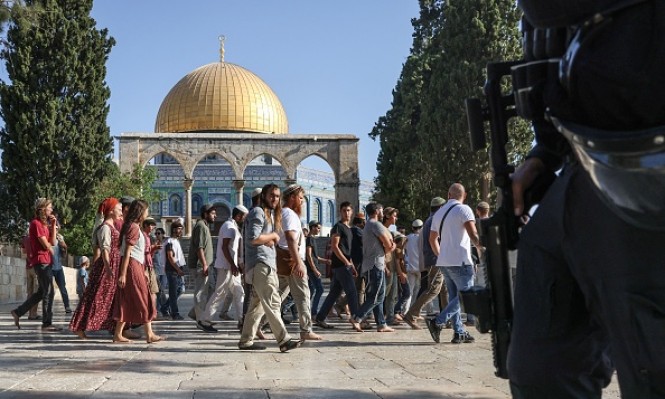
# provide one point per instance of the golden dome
(221, 97)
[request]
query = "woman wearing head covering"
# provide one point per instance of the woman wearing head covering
(95, 311)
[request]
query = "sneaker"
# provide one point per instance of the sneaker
(464, 337)
(290, 344)
(177, 317)
(323, 324)
(68, 310)
(205, 327)
(434, 329)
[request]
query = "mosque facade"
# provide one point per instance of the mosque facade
(221, 132)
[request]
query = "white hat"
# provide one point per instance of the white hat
(241, 208)
(256, 191)
(417, 223)
(83, 260)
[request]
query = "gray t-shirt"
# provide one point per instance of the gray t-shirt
(373, 252)
(255, 225)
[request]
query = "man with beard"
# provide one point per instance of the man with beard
(227, 265)
(200, 258)
(291, 238)
(260, 239)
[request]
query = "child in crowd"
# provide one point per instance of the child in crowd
(82, 276)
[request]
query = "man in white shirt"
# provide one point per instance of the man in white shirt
(292, 239)
(173, 263)
(226, 264)
(452, 232)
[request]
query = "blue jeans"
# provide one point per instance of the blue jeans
(175, 291)
(374, 296)
(342, 279)
(59, 277)
(316, 290)
(162, 300)
(404, 295)
(458, 278)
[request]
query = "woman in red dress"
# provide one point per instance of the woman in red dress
(133, 302)
(95, 311)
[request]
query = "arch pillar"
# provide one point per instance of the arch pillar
(187, 184)
(239, 185)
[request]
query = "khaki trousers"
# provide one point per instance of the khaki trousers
(265, 300)
(299, 289)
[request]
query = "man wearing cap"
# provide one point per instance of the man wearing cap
(412, 259)
(431, 278)
(259, 239)
(174, 262)
(291, 238)
(201, 257)
(227, 265)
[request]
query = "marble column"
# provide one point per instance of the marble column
(187, 183)
(239, 186)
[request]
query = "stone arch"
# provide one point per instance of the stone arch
(339, 150)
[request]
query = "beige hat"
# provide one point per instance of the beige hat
(437, 201)
(417, 223)
(483, 205)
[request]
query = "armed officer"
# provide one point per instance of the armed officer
(590, 284)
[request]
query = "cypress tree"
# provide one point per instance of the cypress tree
(453, 41)
(55, 140)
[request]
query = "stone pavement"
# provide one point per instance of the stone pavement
(193, 364)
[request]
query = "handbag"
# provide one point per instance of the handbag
(285, 262)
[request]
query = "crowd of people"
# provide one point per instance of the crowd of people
(265, 262)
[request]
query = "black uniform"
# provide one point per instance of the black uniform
(590, 286)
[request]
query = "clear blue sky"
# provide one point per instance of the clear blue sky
(333, 64)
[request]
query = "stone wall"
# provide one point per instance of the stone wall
(12, 277)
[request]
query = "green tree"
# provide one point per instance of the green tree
(55, 140)
(424, 136)
(137, 184)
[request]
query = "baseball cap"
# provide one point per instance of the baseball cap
(314, 223)
(150, 221)
(417, 223)
(437, 201)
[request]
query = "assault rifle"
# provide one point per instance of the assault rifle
(493, 305)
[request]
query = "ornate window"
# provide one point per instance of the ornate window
(175, 205)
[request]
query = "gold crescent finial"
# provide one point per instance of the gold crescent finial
(221, 47)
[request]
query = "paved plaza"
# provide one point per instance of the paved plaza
(193, 364)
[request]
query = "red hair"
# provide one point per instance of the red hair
(107, 206)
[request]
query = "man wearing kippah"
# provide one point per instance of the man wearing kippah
(226, 263)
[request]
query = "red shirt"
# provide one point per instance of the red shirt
(39, 255)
